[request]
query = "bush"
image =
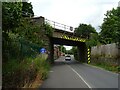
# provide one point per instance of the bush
(107, 66)
(24, 73)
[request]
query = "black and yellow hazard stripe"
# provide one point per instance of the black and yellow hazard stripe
(73, 38)
(88, 53)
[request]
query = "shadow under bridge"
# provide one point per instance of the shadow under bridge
(81, 48)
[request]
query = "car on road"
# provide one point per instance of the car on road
(67, 57)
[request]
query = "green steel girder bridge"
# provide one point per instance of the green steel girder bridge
(64, 35)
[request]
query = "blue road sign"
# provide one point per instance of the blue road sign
(42, 50)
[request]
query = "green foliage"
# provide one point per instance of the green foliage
(93, 41)
(27, 9)
(21, 42)
(61, 47)
(11, 14)
(30, 32)
(20, 73)
(24, 41)
(11, 19)
(89, 32)
(75, 53)
(108, 67)
(110, 29)
(84, 30)
(48, 30)
(42, 66)
(69, 51)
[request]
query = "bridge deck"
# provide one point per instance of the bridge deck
(65, 32)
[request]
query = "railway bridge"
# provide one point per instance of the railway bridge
(64, 35)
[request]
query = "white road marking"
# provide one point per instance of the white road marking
(80, 76)
(100, 68)
(50, 71)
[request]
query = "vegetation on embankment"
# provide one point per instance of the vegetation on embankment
(22, 63)
(113, 68)
(24, 73)
(106, 56)
(109, 33)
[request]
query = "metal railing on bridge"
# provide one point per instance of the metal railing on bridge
(59, 26)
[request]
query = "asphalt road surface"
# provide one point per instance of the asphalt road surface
(72, 74)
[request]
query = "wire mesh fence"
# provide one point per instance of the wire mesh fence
(20, 49)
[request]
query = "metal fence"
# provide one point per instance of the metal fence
(59, 26)
(20, 49)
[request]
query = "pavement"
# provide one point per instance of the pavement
(72, 74)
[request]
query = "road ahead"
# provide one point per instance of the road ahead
(65, 74)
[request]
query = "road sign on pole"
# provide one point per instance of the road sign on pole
(42, 50)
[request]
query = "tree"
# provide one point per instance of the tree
(110, 29)
(61, 47)
(21, 43)
(11, 19)
(94, 40)
(75, 52)
(84, 30)
(11, 14)
(27, 9)
(70, 52)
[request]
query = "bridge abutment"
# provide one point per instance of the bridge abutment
(82, 52)
(51, 48)
(61, 37)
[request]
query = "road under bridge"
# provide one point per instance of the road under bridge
(64, 35)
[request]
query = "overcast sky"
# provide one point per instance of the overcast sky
(74, 12)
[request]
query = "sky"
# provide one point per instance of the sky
(74, 12)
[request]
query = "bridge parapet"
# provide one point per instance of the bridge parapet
(60, 30)
(60, 26)
(55, 25)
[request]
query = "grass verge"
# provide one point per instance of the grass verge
(24, 74)
(113, 68)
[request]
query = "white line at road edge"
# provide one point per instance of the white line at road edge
(80, 77)
(100, 68)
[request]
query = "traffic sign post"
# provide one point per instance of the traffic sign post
(42, 50)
